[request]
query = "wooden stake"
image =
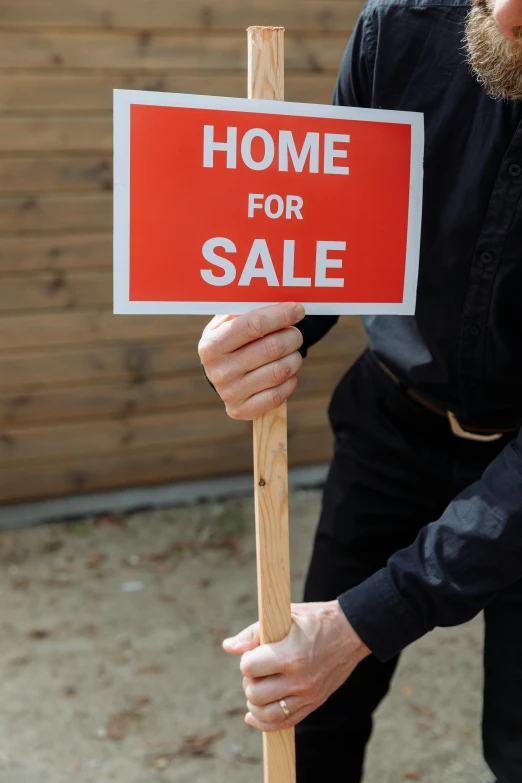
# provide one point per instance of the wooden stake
(266, 81)
(266, 63)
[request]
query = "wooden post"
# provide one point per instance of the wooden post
(266, 81)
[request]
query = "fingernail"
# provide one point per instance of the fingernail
(232, 642)
(299, 313)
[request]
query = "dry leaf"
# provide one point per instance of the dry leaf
(153, 668)
(195, 746)
(234, 711)
(21, 583)
(39, 633)
(119, 724)
(96, 559)
(156, 557)
(421, 710)
(199, 745)
(110, 519)
(52, 546)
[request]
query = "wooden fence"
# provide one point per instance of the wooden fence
(88, 400)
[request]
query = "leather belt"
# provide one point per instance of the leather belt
(467, 433)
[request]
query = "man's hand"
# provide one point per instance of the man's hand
(252, 360)
(316, 658)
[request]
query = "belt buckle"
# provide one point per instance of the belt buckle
(460, 432)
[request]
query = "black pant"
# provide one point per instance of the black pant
(396, 467)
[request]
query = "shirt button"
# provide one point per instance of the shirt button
(515, 170)
(486, 257)
(473, 330)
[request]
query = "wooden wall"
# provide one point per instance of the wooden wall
(88, 400)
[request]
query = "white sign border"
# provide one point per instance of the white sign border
(124, 99)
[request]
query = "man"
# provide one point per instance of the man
(422, 513)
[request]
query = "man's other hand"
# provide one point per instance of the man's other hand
(252, 360)
(316, 658)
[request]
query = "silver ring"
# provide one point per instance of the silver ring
(284, 707)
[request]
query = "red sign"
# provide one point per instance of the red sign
(223, 205)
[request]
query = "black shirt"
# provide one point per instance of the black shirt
(463, 348)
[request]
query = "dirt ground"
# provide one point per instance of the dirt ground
(112, 669)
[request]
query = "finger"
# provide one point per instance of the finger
(266, 690)
(271, 348)
(269, 376)
(287, 723)
(273, 714)
(247, 639)
(217, 321)
(265, 661)
(226, 371)
(256, 324)
(265, 401)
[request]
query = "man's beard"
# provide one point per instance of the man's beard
(495, 60)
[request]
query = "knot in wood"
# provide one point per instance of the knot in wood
(262, 482)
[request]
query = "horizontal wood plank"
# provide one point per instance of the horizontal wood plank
(55, 253)
(55, 174)
(172, 428)
(56, 213)
(94, 473)
(126, 399)
(93, 327)
(55, 134)
(55, 290)
(153, 51)
(56, 92)
(23, 372)
(164, 14)
(107, 401)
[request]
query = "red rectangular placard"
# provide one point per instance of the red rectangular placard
(223, 205)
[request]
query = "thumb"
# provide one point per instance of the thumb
(244, 641)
